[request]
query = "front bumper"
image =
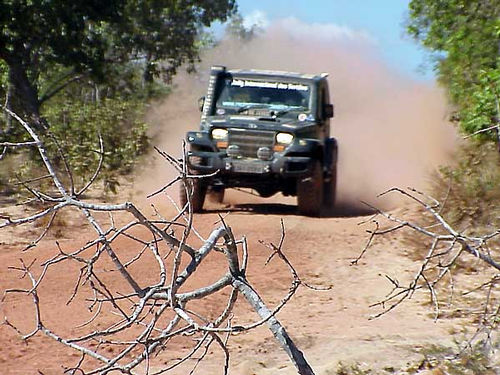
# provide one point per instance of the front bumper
(283, 166)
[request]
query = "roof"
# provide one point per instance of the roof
(277, 74)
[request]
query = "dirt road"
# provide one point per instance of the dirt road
(329, 326)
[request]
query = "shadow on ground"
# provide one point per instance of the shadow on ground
(342, 209)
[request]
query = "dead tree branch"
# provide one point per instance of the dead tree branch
(447, 247)
(133, 317)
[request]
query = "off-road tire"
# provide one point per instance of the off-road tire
(199, 191)
(330, 189)
(310, 192)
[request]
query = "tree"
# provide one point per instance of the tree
(236, 29)
(88, 70)
(464, 37)
(90, 38)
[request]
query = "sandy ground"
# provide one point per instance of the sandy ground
(329, 326)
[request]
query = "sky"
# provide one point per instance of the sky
(379, 23)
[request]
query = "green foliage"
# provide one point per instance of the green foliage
(118, 122)
(90, 36)
(465, 38)
(483, 105)
(83, 111)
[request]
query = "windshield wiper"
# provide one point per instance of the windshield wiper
(252, 106)
(282, 112)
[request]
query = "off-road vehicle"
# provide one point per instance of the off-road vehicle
(264, 130)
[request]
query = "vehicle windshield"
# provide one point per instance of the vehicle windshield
(241, 95)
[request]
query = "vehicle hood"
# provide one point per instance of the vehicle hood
(283, 124)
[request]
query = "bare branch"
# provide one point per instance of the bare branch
(133, 317)
(447, 247)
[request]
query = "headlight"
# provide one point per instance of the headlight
(219, 133)
(284, 138)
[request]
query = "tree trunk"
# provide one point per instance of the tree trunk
(23, 94)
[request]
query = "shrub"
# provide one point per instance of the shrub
(470, 190)
(120, 124)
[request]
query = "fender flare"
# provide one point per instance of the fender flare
(331, 152)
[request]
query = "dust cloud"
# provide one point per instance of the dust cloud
(391, 129)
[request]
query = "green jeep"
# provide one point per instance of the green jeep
(264, 130)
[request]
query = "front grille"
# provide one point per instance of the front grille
(249, 141)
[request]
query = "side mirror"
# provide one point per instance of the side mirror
(328, 111)
(201, 103)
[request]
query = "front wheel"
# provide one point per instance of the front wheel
(330, 188)
(310, 192)
(196, 189)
